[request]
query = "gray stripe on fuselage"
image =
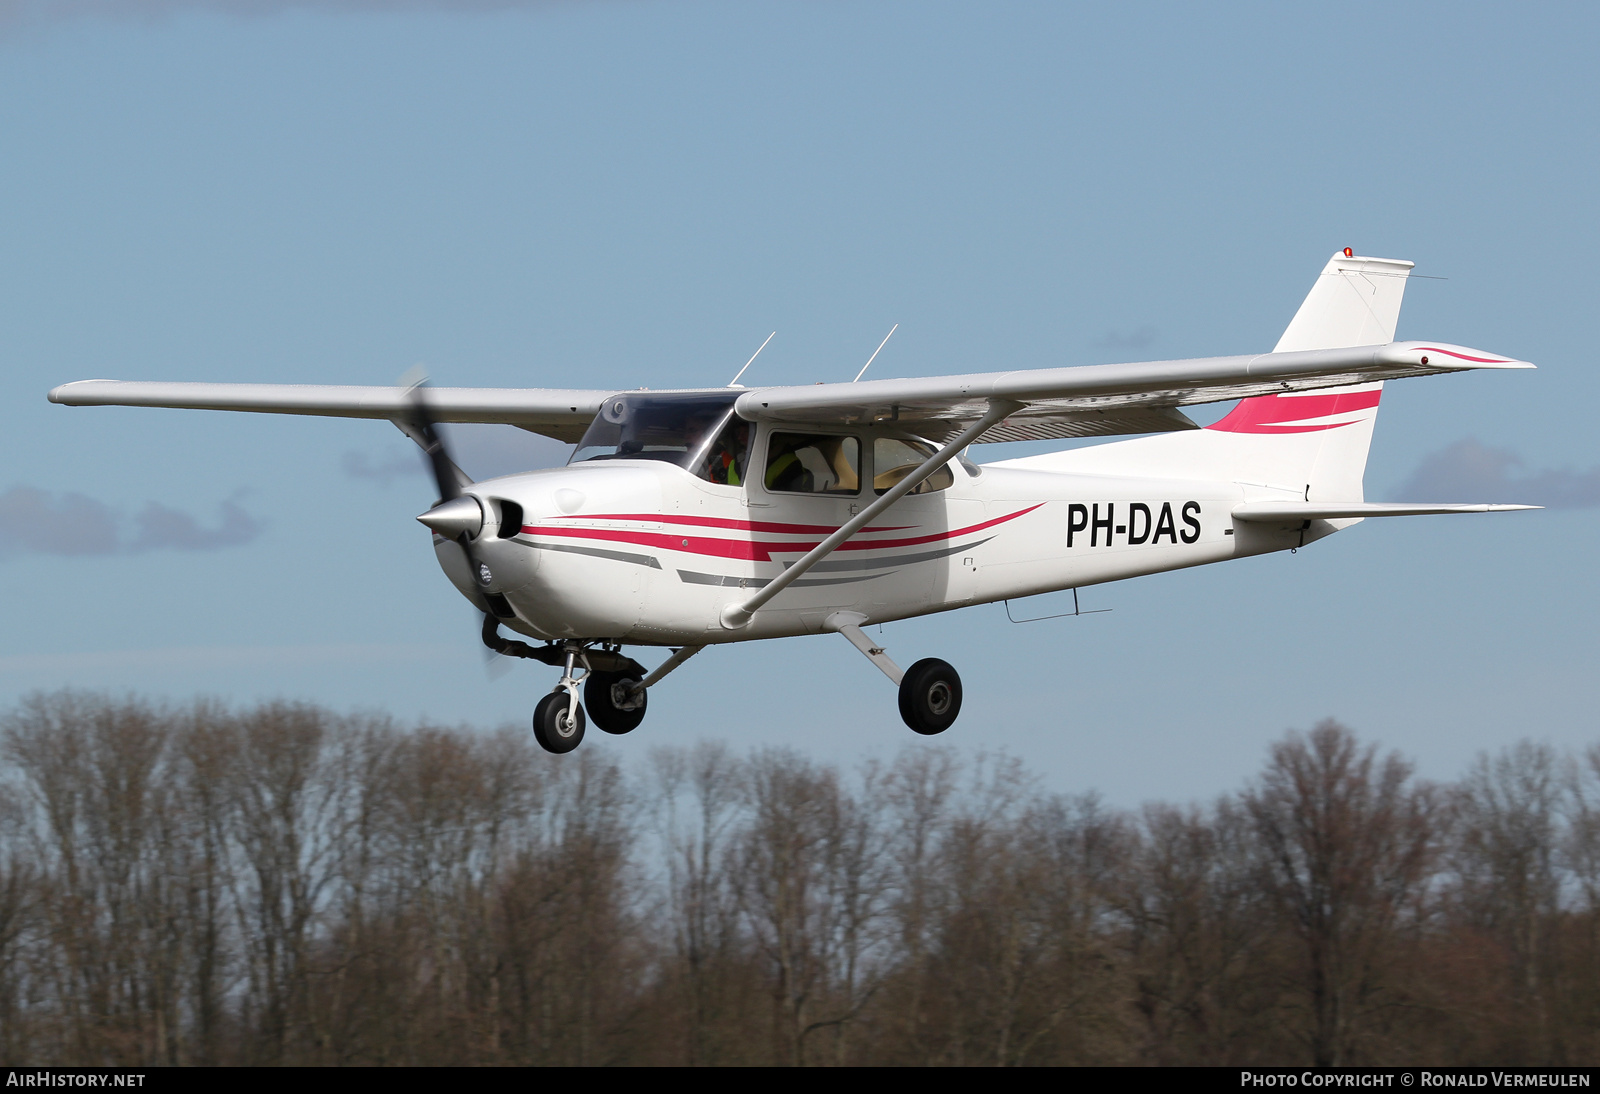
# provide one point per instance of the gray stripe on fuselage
(841, 564)
(828, 566)
(598, 552)
(692, 578)
(835, 565)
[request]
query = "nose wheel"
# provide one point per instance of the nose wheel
(558, 722)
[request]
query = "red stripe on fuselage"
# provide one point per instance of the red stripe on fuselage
(739, 525)
(748, 549)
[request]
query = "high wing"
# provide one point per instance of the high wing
(1080, 401)
(1105, 400)
(555, 412)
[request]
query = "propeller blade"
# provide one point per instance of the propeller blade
(446, 475)
(456, 516)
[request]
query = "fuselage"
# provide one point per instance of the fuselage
(645, 552)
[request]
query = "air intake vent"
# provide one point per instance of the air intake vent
(510, 518)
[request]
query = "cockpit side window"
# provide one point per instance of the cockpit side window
(894, 458)
(811, 463)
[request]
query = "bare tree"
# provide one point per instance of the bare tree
(702, 907)
(812, 888)
(282, 884)
(1194, 914)
(1504, 850)
(1346, 843)
(18, 888)
(1580, 847)
(920, 789)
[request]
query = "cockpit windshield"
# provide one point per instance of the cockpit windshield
(679, 429)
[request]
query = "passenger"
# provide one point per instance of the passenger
(784, 469)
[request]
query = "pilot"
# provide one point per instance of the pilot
(731, 453)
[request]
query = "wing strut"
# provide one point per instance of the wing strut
(735, 616)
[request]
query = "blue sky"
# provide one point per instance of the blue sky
(596, 194)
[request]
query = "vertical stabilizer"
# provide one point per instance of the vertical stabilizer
(1355, 302)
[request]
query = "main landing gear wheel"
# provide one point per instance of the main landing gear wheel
(612, 706)
(930, 696)
(553, 728)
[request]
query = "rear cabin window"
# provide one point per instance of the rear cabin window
(893, 459)
(810, 463)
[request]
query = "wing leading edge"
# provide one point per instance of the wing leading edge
(555, 412)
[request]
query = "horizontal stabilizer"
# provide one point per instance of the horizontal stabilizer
(1317, 510)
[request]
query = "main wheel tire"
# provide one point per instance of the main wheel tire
(600, 697)
(930, 696)
(554, 731)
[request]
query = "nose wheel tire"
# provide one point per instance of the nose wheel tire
(614, 708)
(930, 696)
(552, 728)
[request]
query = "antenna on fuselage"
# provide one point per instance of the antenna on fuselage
(735, 381)
(877, 351)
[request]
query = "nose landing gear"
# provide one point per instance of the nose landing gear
(614, 687)
(558, 719)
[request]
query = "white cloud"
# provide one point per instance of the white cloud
(33, 520)
(1472, 471)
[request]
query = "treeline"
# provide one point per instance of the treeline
(284, 885)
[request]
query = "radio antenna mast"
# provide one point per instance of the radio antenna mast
(735, 381)
(877, 351)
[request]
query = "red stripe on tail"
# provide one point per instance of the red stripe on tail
(1283, 413)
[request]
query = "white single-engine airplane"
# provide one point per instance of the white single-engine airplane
(690, 518)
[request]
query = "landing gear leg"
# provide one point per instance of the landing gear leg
(930, 691)
(558, 719)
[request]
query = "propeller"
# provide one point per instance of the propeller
(459, 516)
(456, 516)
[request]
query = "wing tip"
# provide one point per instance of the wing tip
(61, 394)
